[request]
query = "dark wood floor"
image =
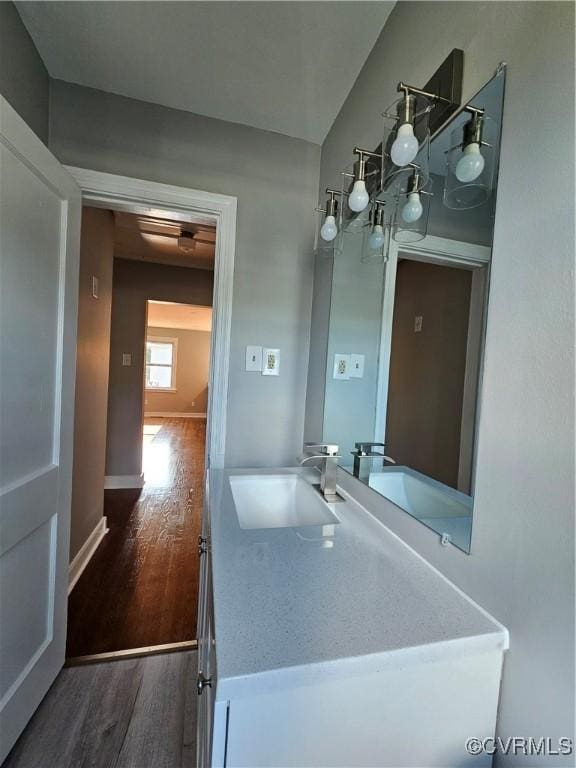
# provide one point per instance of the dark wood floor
(139, 713)
(141, 586)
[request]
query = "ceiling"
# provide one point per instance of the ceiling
(188, 317)
(280, 66)
(147, 238)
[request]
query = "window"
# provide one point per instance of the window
(161, 363)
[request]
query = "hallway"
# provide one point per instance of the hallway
(141, 586)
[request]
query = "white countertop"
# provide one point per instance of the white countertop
(286, 597)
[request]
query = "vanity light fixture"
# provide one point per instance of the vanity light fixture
(471, 164)
(376, 236)
(470, 160)
(329, 229)
(405, 146)
(412, 209)
(359, 198)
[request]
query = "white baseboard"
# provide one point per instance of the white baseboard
(84, 555)
(175, 415)
(117, 482)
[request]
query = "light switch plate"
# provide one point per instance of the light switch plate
(126, 359)
(270, 362)
(341, 366)
(417, 323)
(356, 366)
(254, 358)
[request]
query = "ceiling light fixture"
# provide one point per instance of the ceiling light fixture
(186, 242)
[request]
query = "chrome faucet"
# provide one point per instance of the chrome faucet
(328, 453)
(361, 469)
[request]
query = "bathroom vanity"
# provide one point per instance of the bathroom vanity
(325, 641)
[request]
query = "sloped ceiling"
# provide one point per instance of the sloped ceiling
(280, 66)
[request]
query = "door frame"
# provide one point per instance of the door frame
(433, 250)
(154, 198)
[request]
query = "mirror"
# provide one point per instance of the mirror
(406, 329)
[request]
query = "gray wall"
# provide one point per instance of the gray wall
(135, 283)
(355, 322)
(275, 179)
(24, 81)
(521, 567)
(93, 352)
(192, 366)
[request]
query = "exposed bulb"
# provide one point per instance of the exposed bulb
(412, 211)
(329, 229)
(377, 238)
(405, 146)
(471, 164)
(358, 199)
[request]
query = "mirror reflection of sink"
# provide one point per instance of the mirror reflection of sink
(278, 501)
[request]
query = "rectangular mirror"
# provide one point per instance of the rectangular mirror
(407, 326)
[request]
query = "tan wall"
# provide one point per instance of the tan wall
(427, 368)
(192, 366)
(93, 352)
(135, 283)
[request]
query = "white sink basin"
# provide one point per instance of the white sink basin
(278, 501)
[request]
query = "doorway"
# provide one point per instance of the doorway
(138, 592)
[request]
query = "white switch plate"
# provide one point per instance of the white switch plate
(254, 359)
(356, 366)
(270, 362)
(126, 358)
(341, 366)
(417, 323)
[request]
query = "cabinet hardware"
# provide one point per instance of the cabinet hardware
(203, 682)
(202, 545)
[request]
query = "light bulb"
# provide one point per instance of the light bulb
(358, 198)
(412, 211)
(471, 164)
(405, 146)
(329, 229)
(377, 238)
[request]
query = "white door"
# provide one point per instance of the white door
(40, 207)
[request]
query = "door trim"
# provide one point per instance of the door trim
(124, 193)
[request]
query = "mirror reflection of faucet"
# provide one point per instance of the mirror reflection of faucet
(365, 450)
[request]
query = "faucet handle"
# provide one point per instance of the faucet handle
(328, 449)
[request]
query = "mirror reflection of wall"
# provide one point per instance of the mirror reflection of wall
(416, 321)
(434, 360)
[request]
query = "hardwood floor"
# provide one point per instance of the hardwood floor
(139, 713)
(141, 586)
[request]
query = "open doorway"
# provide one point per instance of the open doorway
(138, 592)
(176, 376)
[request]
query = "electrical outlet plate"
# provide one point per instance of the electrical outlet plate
(357, 366)
(270, 362)
(341, 366)
(254, 358)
